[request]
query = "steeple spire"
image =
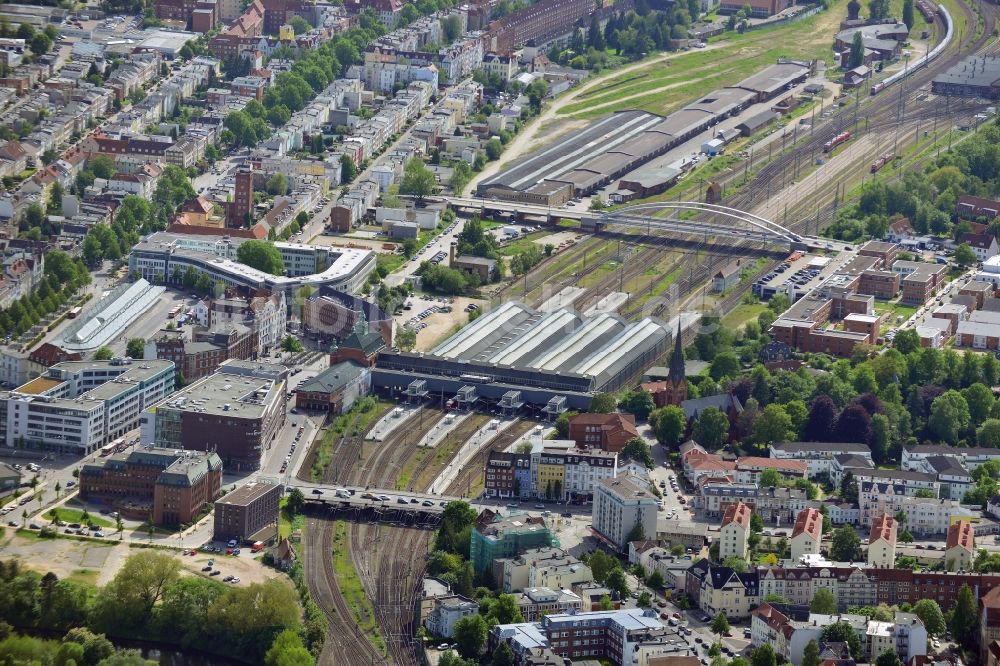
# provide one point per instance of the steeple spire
(677, 373)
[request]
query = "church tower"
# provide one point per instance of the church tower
(676, 390)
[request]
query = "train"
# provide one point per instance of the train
(882, 161)
(836, 141)
(926, 9)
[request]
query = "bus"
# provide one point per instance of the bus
(173, 313)
(113, 447)
(75, 312)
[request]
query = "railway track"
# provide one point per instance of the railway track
(475, 465)
(346, 644)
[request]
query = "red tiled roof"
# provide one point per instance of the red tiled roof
(809, 521)
(960, 534)
(793, 466)
(982, 241)
(738, 513)
(883, 528)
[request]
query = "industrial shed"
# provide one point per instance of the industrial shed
(542, 354)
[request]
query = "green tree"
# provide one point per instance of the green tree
(949, 417)
(711, 430)
(418, 180)
(719, 625)
(763, 655)
(277, 184)
(842, 632)
(736, 563)
(930, 614)
(296, 502)
(291, 344)
(810, 655)
(964, 256)
(988, 434)
(502, 655)
(493, 149)
(470, 635)
(773, 424)
(908, 14)
(846, 545)
(104, 354)
(637, 449)
(406, 338)
(655, 580)
(725, 364)
(769, 478)
(261, 255)
(638, 403)
(857, 55)
(980, 401)
(128, 600)
(888, 658)
(602, 403)
(823, 602)
(102, 166)
(136, 348)
(348, 170)
(668, 424)
(288, 650)
(964, 618)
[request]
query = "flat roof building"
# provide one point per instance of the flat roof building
(248, 512)
(235, 412)
(77, 407)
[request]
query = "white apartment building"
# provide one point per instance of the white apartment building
(735, 531)
(447, 611)
(882, 543)
(817, 455)
(621, 504)
(77, 407)
(807, 534)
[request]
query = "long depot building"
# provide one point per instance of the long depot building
(516, 356)
(581, 162)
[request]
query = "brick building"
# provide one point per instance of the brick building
(171, 487)
(334, 313)
(247, 511)
(506, 473)
(886, 253)
(236, 412)
(537, 23)
(608, 432)
(883, 285)
(336, 389)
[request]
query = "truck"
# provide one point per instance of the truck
(257, 547)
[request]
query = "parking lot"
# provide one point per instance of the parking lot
(435, 317)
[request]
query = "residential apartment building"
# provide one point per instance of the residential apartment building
(560, 471)
(236, 412)
(817, 455)
(495, 536)
(447, 610)
(76, 407)
(850, 585)
(775, 506)
(748, 468)
(613, 635)
(788, 629)
(735, 531)
(989, 621)
(507, 474)
(959, 550)
(807, 534)
(882, 542)
(624, 510)
(718, 589)
(971, 457)
(172, 487)
(536, 602)
(540, 567)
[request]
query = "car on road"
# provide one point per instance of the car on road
(207, 567)
(539, 506)
(215, 572)
(228, 578)
(12, 523)
(317, 491)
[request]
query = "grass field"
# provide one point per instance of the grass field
(76, 516)
(286, 524)
(662, 87)
(895, 309)
(743, 313)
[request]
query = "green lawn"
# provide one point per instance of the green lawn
(743, 313)
(895, 309)
(76, 516)
(523, 243)
(664, 86)
(285, 525)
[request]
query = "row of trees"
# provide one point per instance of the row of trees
(63, 277)
(148, 599)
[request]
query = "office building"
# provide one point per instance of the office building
(248, 512)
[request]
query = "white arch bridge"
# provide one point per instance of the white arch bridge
(725, 221)
(729, 222)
